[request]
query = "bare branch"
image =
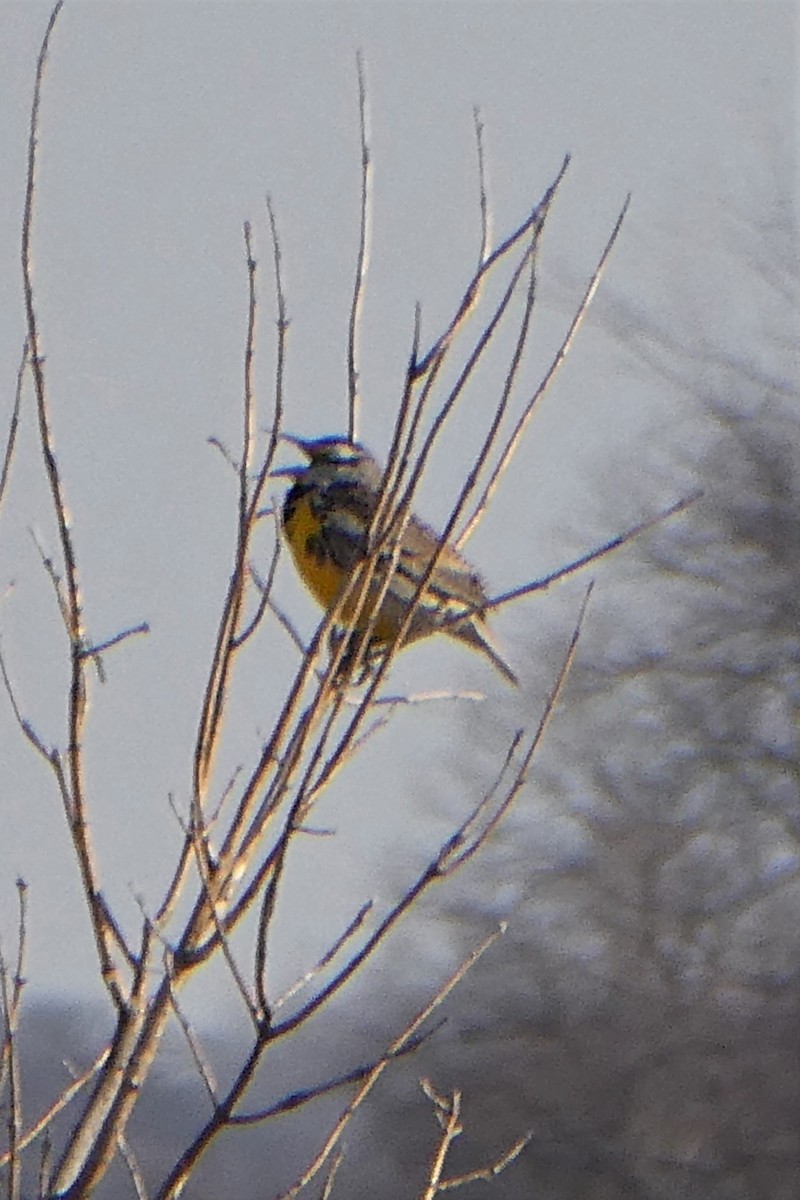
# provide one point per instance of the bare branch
(431, 697)
(356, 1075)
(500, 411)
(54, 577)
(76, 704)
(550, 374)
(175, 1182)
(218, 445)
(621, 539)
(331, 1140)
(227, 792)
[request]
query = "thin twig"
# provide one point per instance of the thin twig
(482, 194)
(283, 329)
(58, 1105)
(248, 406)
(297, 813)
(437, 867)
(621, 539)
(362, 261)
(227, 792)
(483, 820)
(264, 588)
(491, 1171)
(448, 1114)
(13, 424)
(208, 733)
(212, 886)
(11, 998)
(431, 697)
(45, 1168)
(27, 729)
(305, 1095)
(329, 955)
(222, 658)
(327, 1188)
(204, 1068)
(423, 365)
(226, 454)
(54, 577)
(505, 397)
(286, 623)
(101, 647)
(134, 1170)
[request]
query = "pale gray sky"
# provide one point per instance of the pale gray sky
(163, 126)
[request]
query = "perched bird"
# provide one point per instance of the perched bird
(327, 516)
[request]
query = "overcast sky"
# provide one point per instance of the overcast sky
(163, 127)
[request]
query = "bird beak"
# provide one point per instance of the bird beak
(291, 472)
(288, 472)
(301, 443)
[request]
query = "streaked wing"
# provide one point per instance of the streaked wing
(344, 537)
(453, 577)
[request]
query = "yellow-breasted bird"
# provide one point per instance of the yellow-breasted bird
(327, 515)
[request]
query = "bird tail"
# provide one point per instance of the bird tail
(478, 637)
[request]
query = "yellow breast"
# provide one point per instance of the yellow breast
(323, 578)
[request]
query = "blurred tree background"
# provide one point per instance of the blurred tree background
(642, 1015)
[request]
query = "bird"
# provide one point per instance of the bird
(327, 515)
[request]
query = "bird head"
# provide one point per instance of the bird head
(330, 457)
